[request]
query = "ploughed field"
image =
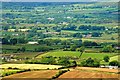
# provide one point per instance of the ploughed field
(78, 72)
(87, 74)
(35, 74)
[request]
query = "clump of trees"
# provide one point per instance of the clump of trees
(114, 63)
(108, 48)
(65, 61)
(14, 41)
(90, 63)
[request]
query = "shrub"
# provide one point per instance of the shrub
(114, 63)
(9, 67)
(106, 58)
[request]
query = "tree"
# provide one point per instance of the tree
(64, 61)
(106, 58)
(74, 63)
(73, 47)
(13, 41)
(22, 40)
(5, 41)
(81, 50)
(90, 63)
(23, 49)
(114, 63)
(108, 48)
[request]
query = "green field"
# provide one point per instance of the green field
(115, 58)
(76, 54)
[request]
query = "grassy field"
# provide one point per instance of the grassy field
(76, 54)
(115, 58)
(29, 66)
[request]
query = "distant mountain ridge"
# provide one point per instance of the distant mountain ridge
(60, 0)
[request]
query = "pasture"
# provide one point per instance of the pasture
(76, 54)
(115, 58)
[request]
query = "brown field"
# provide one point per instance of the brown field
(87, 74)
(34, 74)
(98, 69)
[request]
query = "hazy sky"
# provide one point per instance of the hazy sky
(57, 0)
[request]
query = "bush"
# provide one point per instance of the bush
(106, 58)
(114, 63)
(9, 67)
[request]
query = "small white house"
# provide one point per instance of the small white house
(32, 42)
(110, 67)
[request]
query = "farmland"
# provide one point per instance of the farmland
(85, 75)
(8, 72)
(35, 74)
(59, 40)
(78, 72)
(30, 66)
(76, 54)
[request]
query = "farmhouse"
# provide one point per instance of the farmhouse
(32, 42)
(11, 30)
(50, 18)
(23, 30)
(110, 67)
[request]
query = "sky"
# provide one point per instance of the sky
(59, 0)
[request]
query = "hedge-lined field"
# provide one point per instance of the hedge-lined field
(76, 54)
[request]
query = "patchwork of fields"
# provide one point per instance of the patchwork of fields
(79, 72)
(59, 40)
(76, 54)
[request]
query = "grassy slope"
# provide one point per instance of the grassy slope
(115, 58)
